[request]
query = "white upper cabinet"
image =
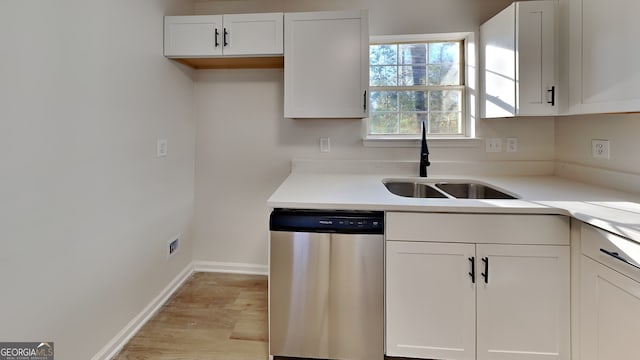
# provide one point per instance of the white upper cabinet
(604, 59)
(518, 58)
(188, 36)
(326, 64)
(254, 34)
(223, 35)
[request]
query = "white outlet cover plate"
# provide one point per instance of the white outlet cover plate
(600, 149)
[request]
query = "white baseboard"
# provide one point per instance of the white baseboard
(116, 344)
(226, 267)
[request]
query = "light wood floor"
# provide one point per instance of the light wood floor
(212, 316)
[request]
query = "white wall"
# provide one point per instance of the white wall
(386, 17)
(574, 135)
(86, 209)
(244, 144)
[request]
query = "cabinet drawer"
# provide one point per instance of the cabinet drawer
(478, 228)
(611, 250)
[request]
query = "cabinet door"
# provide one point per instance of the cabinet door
(497, 42)
(535, 62)
(192, 36)
(518, 61)
(610, 313)
(604, 62)
(326, 70)
(523, 305)
(430, 300)
(253, 34)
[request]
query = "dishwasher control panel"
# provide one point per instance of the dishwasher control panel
(336, 221)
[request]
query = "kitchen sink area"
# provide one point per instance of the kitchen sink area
(485, 240)
(413, 189)
(459, 189)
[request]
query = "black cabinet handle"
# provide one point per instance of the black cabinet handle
(553, 96)
(473, 269)
(217, 33)
(619, 257)
(485, 274)
(364, 103)
(224, 37)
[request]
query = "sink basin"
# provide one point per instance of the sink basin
(413, 189)
(443, 190)
(467, 190)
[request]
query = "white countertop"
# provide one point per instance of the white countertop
(611, 210)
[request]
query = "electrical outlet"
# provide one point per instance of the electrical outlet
(600, 149)
(325, 144)
(493, 145)
(174, 246)
(161, 148)
(512, 144)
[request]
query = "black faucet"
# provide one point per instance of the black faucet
(424, 154)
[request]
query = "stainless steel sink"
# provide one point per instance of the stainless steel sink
(469, 190)
(453, 189)
(413, 189)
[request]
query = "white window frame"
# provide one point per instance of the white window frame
(468, 138)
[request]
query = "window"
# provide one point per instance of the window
(415, 82)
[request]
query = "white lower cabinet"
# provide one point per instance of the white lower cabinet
(610, 297)
(610, 316)
(523, 309)
(431, 303)
(477, 300)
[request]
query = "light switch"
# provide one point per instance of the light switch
(325, 144)
(161, 148)
(493, 145)
(512, 144)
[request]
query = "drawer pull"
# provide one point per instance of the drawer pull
(473, 269)
(485, 274)
(617, 256)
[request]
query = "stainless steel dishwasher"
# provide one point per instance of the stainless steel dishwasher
(326, 284)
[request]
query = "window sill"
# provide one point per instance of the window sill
(434, 142)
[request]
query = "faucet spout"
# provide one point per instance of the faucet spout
(424, 153)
